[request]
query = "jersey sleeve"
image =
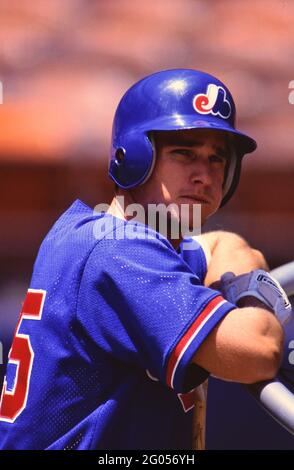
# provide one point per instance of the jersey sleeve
(144, 306)
(192, 252)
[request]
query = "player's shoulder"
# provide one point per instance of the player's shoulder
(131, 244)
(112, 231)
(104, 226)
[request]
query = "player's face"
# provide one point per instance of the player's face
(190, 167)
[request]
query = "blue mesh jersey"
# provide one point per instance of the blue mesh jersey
(102, 352)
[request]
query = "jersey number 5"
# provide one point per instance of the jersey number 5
(21, 356)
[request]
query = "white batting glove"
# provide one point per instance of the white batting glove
(261, 285)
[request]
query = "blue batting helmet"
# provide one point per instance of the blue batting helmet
(172, 100)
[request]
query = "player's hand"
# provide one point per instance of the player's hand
(260, 285)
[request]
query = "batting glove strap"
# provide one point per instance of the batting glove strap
(260, 285)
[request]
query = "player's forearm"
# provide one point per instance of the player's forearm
(245, 347)
(230, 252)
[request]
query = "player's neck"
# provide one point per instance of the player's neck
(118, 208)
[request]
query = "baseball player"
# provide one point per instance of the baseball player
(121, 323)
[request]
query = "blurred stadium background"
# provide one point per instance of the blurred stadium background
(64, 66)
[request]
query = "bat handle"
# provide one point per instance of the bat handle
(199, 417)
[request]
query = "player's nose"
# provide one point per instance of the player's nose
(200, 173)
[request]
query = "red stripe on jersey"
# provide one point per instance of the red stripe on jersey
(182, 344)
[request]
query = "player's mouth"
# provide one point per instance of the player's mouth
(195, 199)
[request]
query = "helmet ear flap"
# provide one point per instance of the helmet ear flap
(231, 165)
(131, 159)
(233, 170)
(151, 139)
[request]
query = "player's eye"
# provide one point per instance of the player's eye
(182, 154)
(217, 159)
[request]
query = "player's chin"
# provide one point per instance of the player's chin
(211, 208)
(204, 211)
(197, 214)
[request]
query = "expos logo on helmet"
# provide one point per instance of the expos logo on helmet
(214, 102)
